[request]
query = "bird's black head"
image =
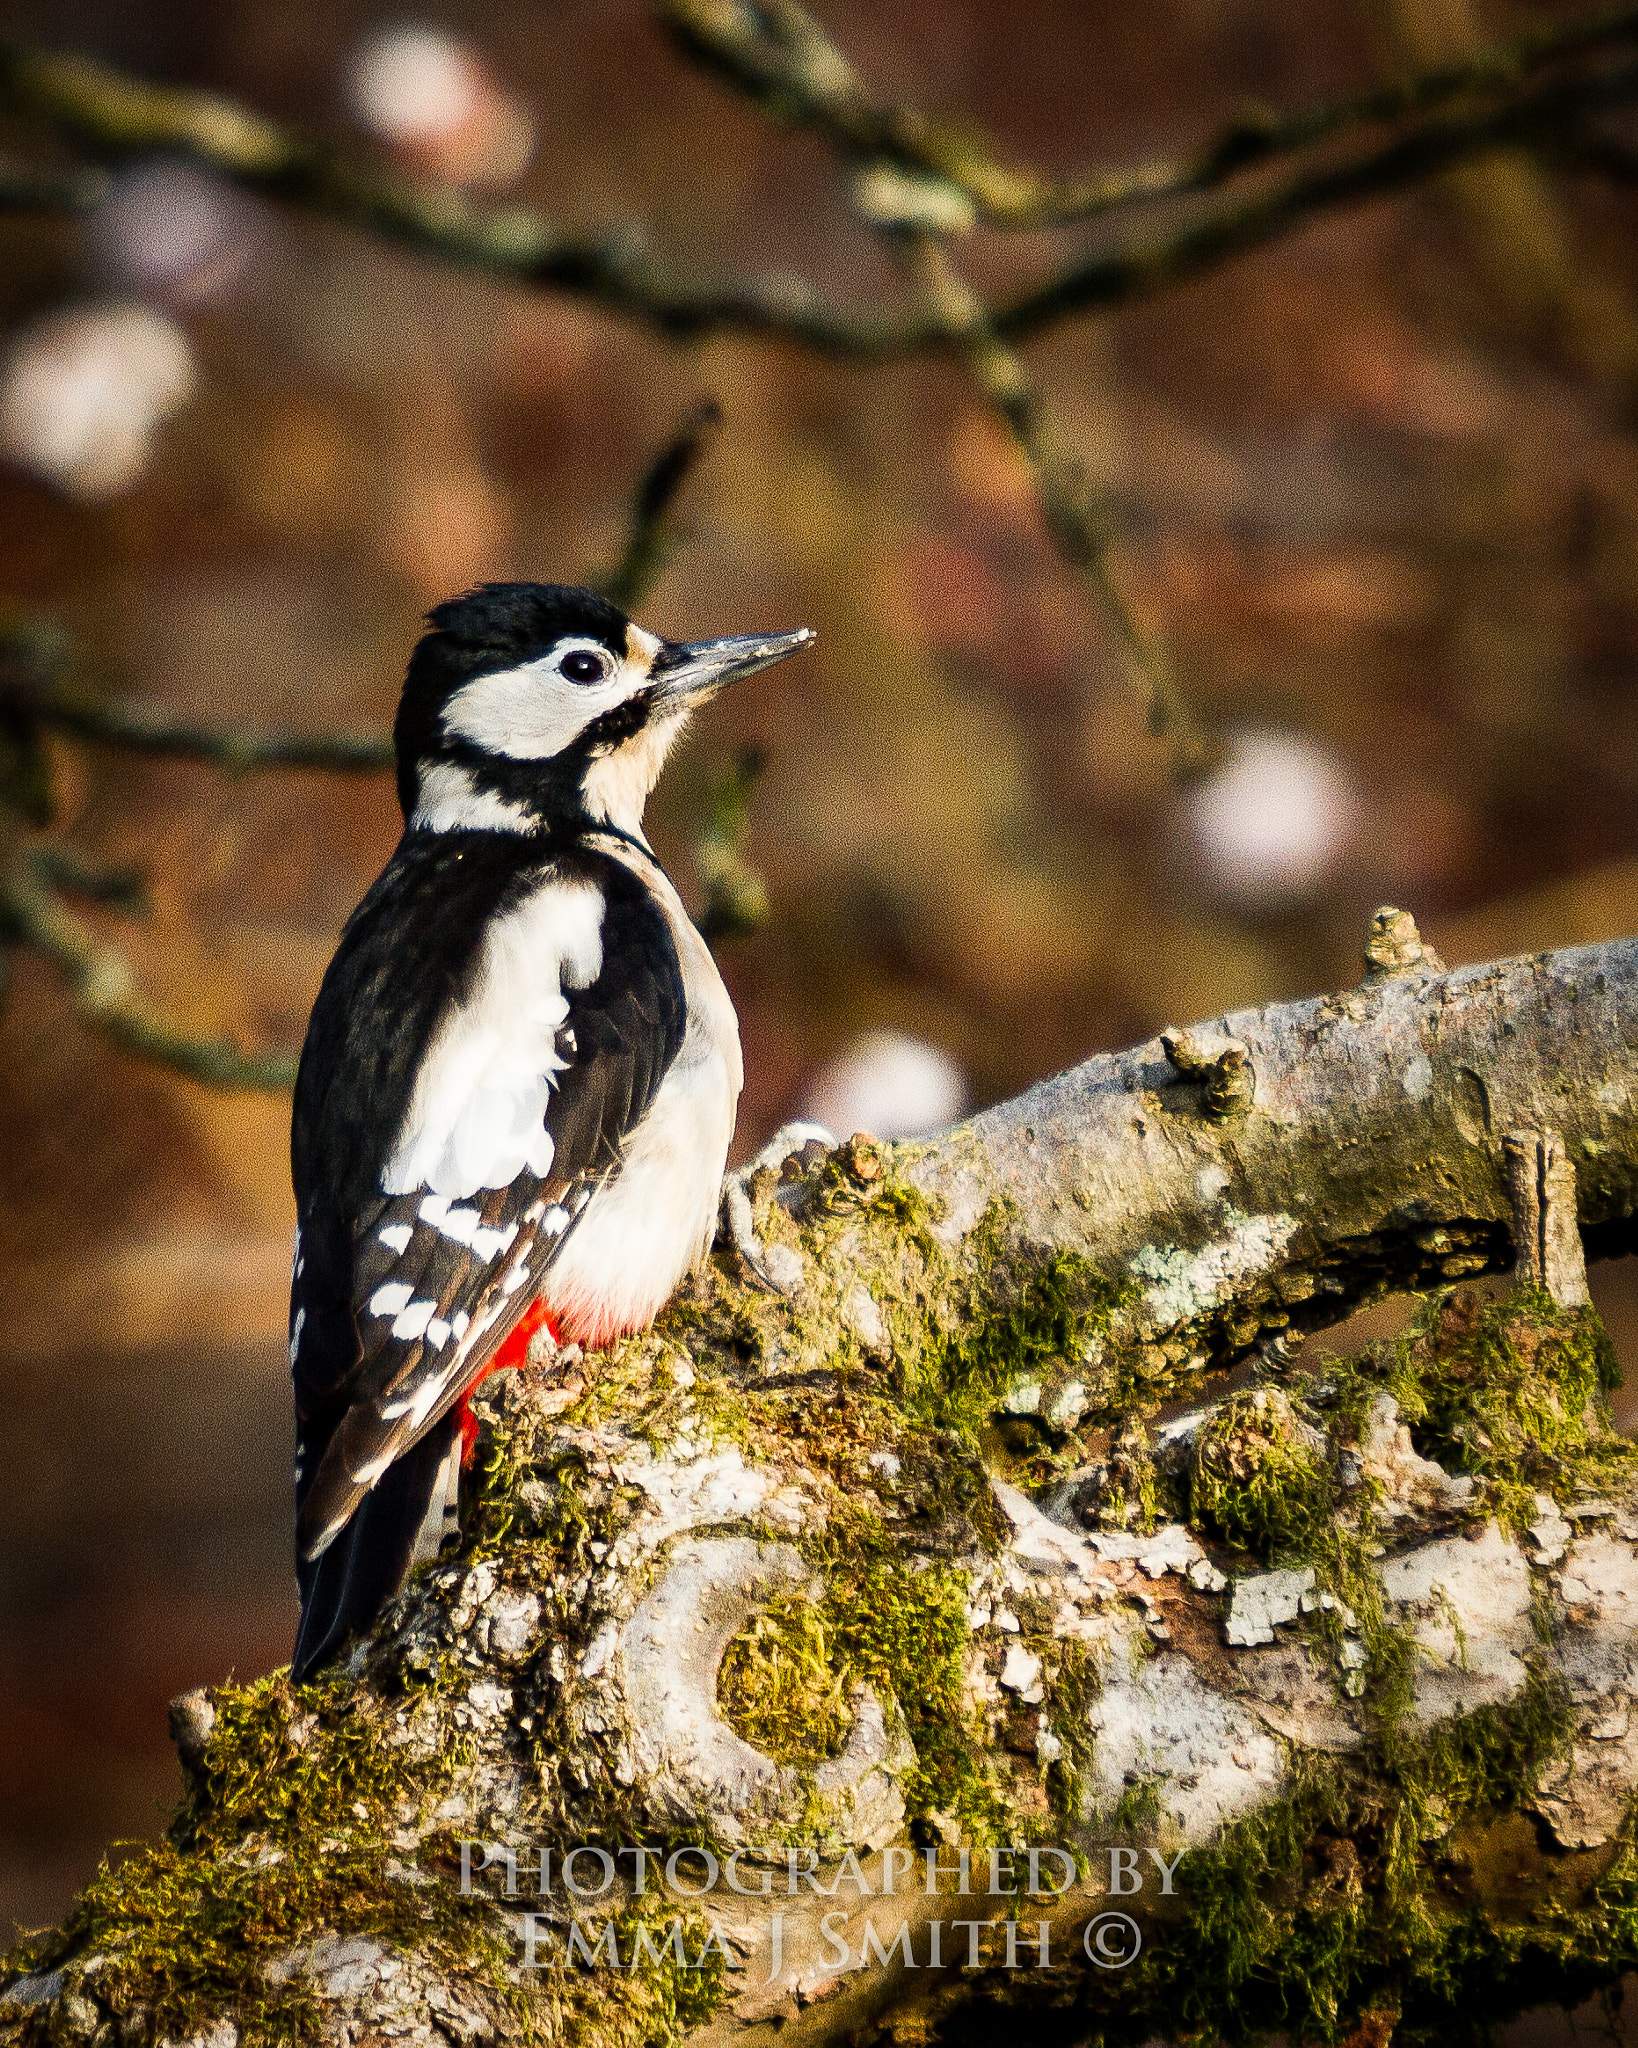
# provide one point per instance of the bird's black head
(536, 704)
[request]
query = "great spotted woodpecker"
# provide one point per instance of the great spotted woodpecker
(519, 1082)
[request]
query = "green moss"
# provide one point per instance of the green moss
(281, 1838)
(1344, 1567)
(885, 1623)
(1513, 1393)
(1489, 1759)
(1072, 1688)
(1043, 1325)
(905, 1633)
(783, 1685)
(1137, 1811)
(1511, 1388)
(1387, 1881)
(1338, 1899)
(1255, 1482)
(673, 1977)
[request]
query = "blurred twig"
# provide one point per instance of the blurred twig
(1534, 120)
(146, 729)
(1074, 517)
(38, 694)
(776, 52)
(106, 995)
(72, 873)
(736, 896)
(1605, 155)
(1070, 508)
(40, 188)
(34, 879)
(650, 540)
(119, 116)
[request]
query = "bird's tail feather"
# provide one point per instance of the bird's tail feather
(399, 1524)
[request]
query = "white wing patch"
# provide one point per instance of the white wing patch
(478, 1115)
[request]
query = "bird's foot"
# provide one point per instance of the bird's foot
(736, 1218)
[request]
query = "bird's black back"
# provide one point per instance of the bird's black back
(409, 953)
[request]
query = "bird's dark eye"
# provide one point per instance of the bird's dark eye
(583, 666)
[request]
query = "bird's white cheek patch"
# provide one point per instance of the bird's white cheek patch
(530, 713)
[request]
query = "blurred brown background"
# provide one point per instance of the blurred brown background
(1379, 484)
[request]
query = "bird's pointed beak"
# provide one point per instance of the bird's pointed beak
(690, 673)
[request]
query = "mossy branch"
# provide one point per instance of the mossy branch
(898, 1564)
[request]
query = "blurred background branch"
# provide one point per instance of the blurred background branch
(921, 181)
(776, 52)
(104, 991)
(100, 979)
(39, 694)
(651, 538)
(782, 57)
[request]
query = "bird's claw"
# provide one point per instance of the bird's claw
(737, 1221)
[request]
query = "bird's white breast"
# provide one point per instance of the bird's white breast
(653, 1223)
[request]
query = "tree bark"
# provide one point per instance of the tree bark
(1012, 1523)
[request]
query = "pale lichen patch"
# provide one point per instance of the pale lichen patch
(1180, 1287)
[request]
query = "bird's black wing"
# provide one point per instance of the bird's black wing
(403, 1295)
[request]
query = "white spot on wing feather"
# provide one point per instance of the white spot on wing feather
(396, 1236)
(295, 1333)
(414, 1320)
(388, 1300)
(426, 1399)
